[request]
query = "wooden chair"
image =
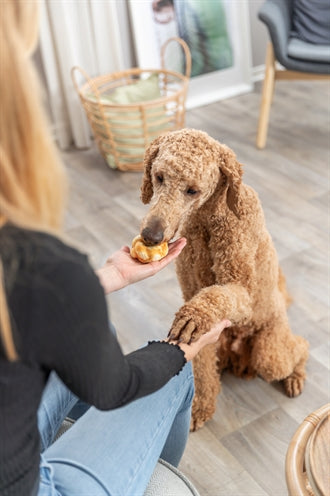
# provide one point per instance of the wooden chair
(300, 60)
(307, 464)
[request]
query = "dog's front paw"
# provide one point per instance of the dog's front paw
(189, 325)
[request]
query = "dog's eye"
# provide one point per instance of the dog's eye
(191, 191)
(160, 178)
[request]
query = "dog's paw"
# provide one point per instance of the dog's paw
(189, 325)
(293, 385)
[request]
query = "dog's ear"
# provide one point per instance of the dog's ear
(233, 170)
(149, 156)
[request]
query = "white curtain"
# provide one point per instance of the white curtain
(91, 34)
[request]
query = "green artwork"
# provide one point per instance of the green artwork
(202, 24)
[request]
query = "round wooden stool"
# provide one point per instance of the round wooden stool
(307, 465)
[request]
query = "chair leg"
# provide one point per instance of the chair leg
(267, 96)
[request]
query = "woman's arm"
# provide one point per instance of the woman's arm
(71, 336)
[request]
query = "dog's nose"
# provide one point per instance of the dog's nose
(153, 232)
(152, 236)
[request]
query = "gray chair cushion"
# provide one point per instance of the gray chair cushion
(277, 15)
(169, 481)
(306, 51)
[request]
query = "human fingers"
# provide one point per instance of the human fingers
(174, 250)
(210, 337)
(177, 245)
(213, 334)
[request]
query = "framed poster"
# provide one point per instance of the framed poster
(217, 33)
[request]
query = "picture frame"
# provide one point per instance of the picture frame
(204, 87)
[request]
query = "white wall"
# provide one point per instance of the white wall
(259, 34)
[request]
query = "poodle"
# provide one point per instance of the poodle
(228, 269)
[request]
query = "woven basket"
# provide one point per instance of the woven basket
(123, 131)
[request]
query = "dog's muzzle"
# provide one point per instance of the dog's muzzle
(153, 233)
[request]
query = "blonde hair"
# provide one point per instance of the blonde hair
(32, 177)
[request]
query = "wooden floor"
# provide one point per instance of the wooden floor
(241, 451)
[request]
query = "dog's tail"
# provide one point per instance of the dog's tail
(283, 288)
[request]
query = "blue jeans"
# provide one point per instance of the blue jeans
(112, 453)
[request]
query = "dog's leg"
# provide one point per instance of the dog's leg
(278, 355)
(209, 306)
(207, 386)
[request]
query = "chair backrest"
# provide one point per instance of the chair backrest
(311, 21)
(278, 15)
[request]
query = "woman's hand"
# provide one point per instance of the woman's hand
(210, 337)
(121, 269)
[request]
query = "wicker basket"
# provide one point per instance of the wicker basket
(123, 131)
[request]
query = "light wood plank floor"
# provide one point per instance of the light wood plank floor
(241, 451)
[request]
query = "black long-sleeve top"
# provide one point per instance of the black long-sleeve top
(59, 321)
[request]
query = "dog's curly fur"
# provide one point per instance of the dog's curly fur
(228, 269)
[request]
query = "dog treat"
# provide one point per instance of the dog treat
(146, 254)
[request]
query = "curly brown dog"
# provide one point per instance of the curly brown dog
(228, 269)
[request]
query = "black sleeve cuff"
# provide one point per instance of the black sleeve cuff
(172, 345)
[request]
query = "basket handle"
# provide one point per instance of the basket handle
(185, 50)
(93, 87)
(91, 84)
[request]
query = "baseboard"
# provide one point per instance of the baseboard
(258, 73)
(194, 101)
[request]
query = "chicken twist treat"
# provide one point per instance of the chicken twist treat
(147, 254)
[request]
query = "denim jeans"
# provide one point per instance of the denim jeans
(112, 453)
